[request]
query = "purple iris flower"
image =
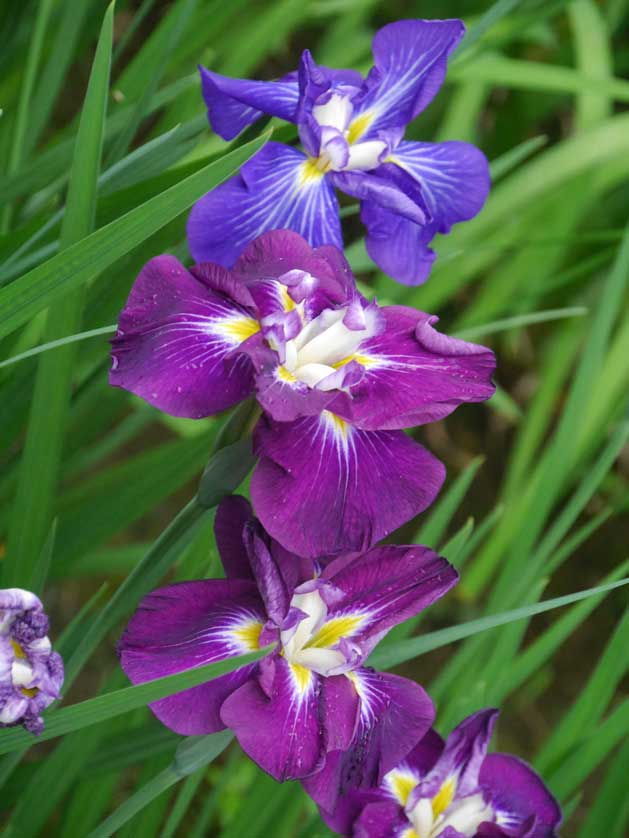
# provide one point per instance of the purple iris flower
(352, 131)
(337, 378)
(312, 694)
(451, 789)
(31, 674)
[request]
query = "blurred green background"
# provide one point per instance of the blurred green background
(536, 500)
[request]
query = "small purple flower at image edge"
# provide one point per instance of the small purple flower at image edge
(352, 132)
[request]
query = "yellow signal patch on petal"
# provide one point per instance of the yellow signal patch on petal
(311, 172)
(339, 426)
(364, 360)
(358, 127)
(236, 329)
(248, 635)
(401, 784)
(444, 797)
(287, 301)
(285, 375)
(17, 650)
(333, 630)
(301, 676)
(29, 692)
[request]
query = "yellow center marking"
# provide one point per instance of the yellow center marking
(285, 375)
(444, 797)
(238, 329)
(331, 632)
(402, 785)
(29, 692)
(312, 171)
(363, 360)
(301, 675)
(249, 635)
(359, 126)
(287, 301)
(340, 425)
(17, 650)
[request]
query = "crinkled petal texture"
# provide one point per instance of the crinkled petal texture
(314, 489)
(410, 62)
(394, 713)
(233, 104)
(190, 624)
(454, 182)
(277, 189)
(276, 718)
(176, 341)
(386, 586)
(413, 374)
(524, 806)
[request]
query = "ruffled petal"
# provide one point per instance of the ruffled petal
(278, 188)
(410, 62)
(187, 625)
(388, 187)
(233, 104)
(453, 176)
(176, 340)
(276, 719)
(517, 794)
(414, 374)
(313, 487)
(394, 715)
(386, 586)
(233, 513)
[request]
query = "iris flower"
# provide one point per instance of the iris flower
(351, 129)
(337, 378)
(451, 789)
(31, 673)
(312, 694)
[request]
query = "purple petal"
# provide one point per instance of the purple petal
(269, 581)
(233, 104)
(414, 374)
(395, 713)
(386, 586)
(229, 525)
(186, 625)
(387, 186)
(453, 176)
(410, 62)
(176, 340)
(320, 498)
(398, 246)
(381, 819)
(516, 793)
(276, 719)
(276, 189)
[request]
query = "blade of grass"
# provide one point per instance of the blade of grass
(521, 320)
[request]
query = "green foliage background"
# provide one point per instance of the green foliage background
(104, 146)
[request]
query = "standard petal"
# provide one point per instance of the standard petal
(414, 374)
(395, 713)
(233, 104)
(517, 794)
(229, 526)
(313, 488)
(453, 176)
(278, 188)
(176, 340)
(386, 586)
(277, 721)
(187, 625)
(381, 819)
(410, 61)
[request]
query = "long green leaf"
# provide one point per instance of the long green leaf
(86, 259)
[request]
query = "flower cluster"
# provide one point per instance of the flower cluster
(31, 674)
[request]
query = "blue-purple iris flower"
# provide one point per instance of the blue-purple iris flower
(352, 130)
(31, 673)
(312, 695)
(451, 789)
(337, 377)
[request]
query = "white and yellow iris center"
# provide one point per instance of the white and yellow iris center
(341, 149)
(431, 817)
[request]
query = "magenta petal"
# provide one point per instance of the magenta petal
(410, 62)
(186, 625)
(271, 192)
(414, 374)
(395, 714)
(279, 726)
(381, 819)
(320, 498)
(173, 348)
(388, 585)
(229, 525)
(516, 792)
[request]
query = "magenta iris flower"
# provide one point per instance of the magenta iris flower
(451, 789)
(31, 673)
(352, 130)
(312, 695)
(337, 377)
